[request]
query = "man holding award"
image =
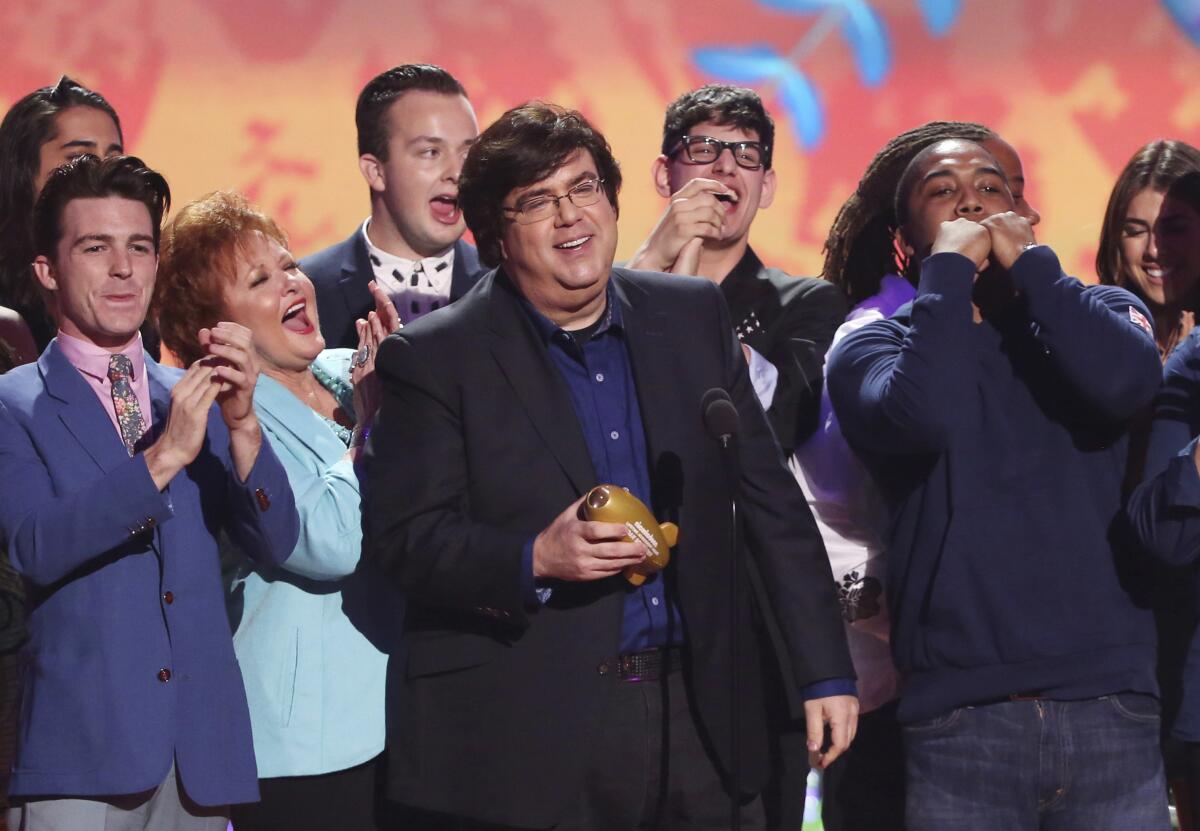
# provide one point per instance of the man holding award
(543, 686)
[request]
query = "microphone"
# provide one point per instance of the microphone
(721, 418)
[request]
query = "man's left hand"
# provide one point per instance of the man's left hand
(840, 712)
(1011, 235)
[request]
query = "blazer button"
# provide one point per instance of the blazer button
(164, 675)
(168, 598)
(264, 501)
(604, 668)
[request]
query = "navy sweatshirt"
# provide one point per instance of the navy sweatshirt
(1000, 448)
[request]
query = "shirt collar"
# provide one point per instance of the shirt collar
(547, 328)
(379, 257)
(92, 360)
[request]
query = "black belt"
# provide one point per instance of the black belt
(648, 665)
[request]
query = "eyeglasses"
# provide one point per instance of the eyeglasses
(537, 208)
(706, 150)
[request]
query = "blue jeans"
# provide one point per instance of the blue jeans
(1038, 765)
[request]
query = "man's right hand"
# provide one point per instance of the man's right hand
(694, 215)
(187, 422)
(962, 236)
(571, 548)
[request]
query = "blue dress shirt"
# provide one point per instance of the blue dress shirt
(594, 363)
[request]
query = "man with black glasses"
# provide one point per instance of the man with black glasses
(716, 169)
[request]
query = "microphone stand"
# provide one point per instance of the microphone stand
(730, 461)
(722, 423)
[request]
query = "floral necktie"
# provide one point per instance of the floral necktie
(125, 403)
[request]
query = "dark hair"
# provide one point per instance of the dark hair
(1156, 165)
(386, 87)
(90, 177)
(861, 247)
(524, 146)
(912, 172)
(200, 246)
(28, 125)
(721, 104)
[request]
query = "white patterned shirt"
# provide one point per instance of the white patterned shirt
(417, 287)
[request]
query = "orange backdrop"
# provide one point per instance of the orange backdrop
(259, 95)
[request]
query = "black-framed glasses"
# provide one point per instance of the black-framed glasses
(706, 150)
(537, 208)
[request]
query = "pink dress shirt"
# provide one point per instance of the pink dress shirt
(92, 363)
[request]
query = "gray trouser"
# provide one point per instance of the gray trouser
(166, 808)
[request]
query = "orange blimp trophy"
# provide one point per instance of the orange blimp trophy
(612, 503)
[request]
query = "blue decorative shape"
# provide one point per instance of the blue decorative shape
(800, 6)
(803, 105)
(868, 39)
(1186, 14)
(762, 64)
(939, 15)
(745, 65)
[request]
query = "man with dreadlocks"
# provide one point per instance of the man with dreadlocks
(785, 323)
(863, 258)
(993, 412)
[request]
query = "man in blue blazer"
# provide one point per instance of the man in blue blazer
(415, 125)
(116, 478)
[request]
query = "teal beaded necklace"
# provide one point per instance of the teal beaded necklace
(344, 394)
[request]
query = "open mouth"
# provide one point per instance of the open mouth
(295, 319)
(445, 209)
(573, 245)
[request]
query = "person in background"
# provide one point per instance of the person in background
(1137, 251)
(12, 636)
(310, 635)
(415, 125)
(863, 258)
(715, 168)
(1174, 236)
(41, 131)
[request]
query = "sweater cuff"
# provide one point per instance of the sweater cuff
(1182, 479)
(949, 275)
(1036, 270)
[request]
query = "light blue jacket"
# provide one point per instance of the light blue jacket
(312, 637)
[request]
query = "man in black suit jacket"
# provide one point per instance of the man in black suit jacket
(541, 689)
(414, 127)
(715, 167)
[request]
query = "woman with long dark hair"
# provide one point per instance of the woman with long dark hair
(43, 130)
(1135, 252)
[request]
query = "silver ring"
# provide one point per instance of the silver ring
(361, 357)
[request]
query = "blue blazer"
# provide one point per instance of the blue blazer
(340, 275)
(130, 659)
(313, 637)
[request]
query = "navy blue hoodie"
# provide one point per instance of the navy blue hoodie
(1000, 448)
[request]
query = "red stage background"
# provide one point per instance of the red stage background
(259, 96)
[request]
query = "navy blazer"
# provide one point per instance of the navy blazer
(130, 663)
(340, 275)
